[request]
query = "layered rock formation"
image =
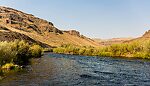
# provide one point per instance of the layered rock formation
(73, 32)
(26, 22)
(14, 21)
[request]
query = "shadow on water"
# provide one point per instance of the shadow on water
(73, 70)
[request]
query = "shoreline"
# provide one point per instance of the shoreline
(120, 57)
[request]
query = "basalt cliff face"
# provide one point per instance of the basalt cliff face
(25, 22)
(19, 25)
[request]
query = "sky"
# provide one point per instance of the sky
(93, 18)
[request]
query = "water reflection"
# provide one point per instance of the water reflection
(69, 70)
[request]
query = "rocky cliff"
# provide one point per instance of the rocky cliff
(14, 21)
(73, 32)
(26, 22)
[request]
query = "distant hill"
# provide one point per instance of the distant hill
(106, 42)
(146, 34)
(22, 25)
(144, 37)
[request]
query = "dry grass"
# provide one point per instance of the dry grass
(54, 39)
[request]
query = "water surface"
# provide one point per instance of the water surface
(72, 70)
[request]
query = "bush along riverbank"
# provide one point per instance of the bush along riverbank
(137, 49)
(17, 53)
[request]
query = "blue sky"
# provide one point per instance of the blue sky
(93, 18)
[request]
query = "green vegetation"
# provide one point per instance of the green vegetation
(47, 50)
(10, 66)
(17, 53)
(137, 49)
(35, 50)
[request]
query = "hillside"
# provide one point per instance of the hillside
(39, 29)
(144, 37)
(106, 42)
(11, 36)
(146, 34)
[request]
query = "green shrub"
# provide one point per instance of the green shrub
(10, 66)
(81, 51)
(17, 52)
(107, 54)
(89, 52)
(36, 51)
(139, 49)
(47, 50)
(59, 50)
(23, 54)
(7, 54)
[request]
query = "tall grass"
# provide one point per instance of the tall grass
(18, 52)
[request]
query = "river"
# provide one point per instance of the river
(72, 70)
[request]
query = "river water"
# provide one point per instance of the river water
(73, 70)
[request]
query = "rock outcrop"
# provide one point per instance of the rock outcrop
(15, 24)
(147, 34)
(26, 22)
(73, 32)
